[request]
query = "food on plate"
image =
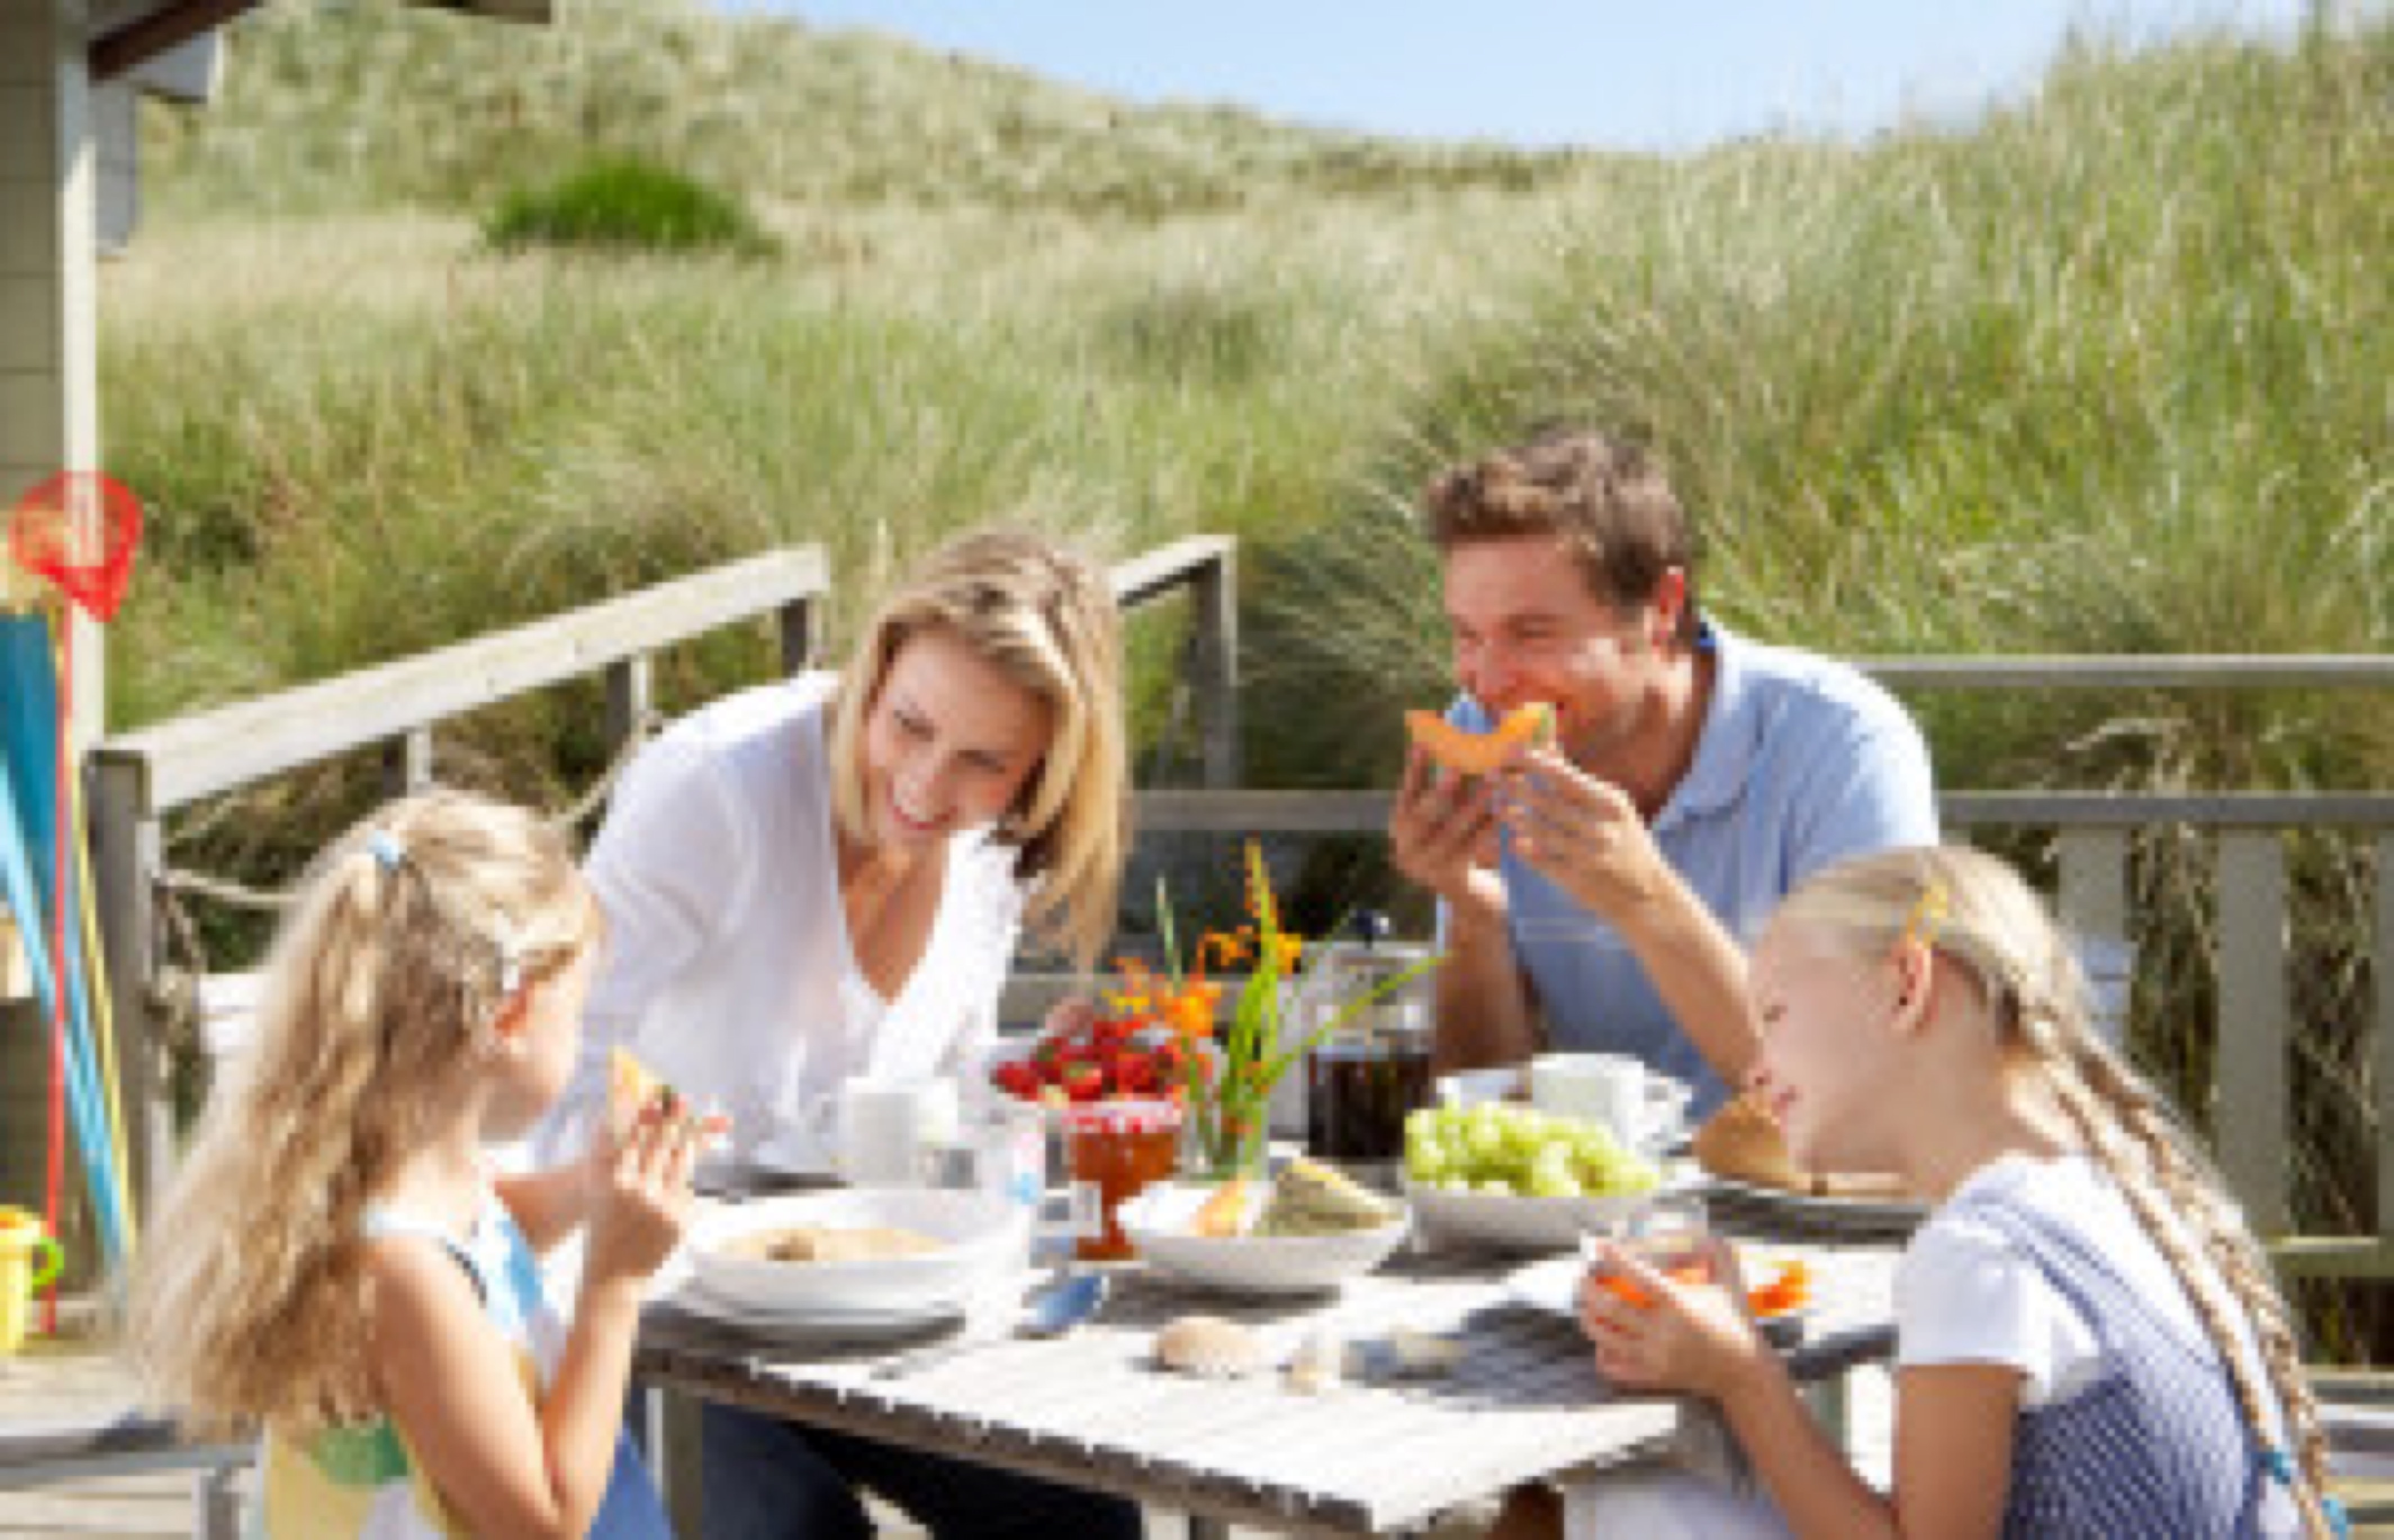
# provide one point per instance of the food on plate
(1224, 1214)
(1504, 1148)
(1309, 1198)
(832, 1243)
(1110, 1057)
(1784, 1294)
(1468, 752)
(1742, 1142)
(1208, 1347)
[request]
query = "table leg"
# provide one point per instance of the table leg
(1203, 1528)
(668, 1432)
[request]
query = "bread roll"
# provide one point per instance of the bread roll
(1742, 1142)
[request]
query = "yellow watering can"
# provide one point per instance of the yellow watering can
(22, 1241)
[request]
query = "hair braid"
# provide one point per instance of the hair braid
(2128, 1128)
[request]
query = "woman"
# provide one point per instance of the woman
(826, 878)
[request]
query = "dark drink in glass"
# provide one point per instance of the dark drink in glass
(1358, 1090)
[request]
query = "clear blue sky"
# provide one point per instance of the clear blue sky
(1657, 74)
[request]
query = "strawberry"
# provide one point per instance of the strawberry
(1136, 1074)
(1017, 1077)
(1085, 1082)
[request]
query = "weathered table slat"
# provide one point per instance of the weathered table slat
(1362, 1458)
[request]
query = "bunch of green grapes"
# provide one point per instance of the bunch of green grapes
(1503, 1147)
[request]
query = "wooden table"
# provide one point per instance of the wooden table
(1381, 1457)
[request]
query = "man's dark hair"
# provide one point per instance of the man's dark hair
(1607, 501)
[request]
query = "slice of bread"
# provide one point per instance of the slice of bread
(1309, 1198)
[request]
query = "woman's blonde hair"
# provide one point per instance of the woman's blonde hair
(411, 934)
(1044, 617)
(1978, 913)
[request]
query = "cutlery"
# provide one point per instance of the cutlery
(1049, 1310)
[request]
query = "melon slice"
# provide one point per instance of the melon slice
(1468, 752)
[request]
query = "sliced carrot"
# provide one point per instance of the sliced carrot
(1468, 752)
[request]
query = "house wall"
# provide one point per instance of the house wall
(49, 413)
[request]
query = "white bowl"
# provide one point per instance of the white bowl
(980, 1236)
(1516, 1223)
(1157, 1223)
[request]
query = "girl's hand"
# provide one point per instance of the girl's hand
(643, 1199)
(1654, 1331)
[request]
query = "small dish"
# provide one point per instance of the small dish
(1158, 1223)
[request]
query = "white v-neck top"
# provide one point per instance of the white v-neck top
(729, 970)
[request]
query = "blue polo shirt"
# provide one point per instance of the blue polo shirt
(1802, 761)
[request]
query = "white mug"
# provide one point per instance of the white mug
(879, 1129)
(1612, 1089)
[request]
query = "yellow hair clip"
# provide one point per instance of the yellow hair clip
(1927, 917)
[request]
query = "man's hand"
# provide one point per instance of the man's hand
(1584, 835)
(1442, 835)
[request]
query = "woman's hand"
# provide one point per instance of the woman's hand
(1071, 1016)
(641, 1200)
(1654, 1331)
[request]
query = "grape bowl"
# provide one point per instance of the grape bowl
(1501, 1175)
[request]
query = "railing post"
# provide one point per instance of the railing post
(631, 694)
(407, 764)
(1213, 666)
(2250, 1116)
(2382, 956)
(126, 860)
(2095, 908)
(801, 623)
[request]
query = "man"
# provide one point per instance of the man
(1605, 883)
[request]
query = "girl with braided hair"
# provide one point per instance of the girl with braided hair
(2088, 1341)
(338, 1264)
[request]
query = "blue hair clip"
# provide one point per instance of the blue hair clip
(384, 847)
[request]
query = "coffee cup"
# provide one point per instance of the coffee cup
(1615, 1090)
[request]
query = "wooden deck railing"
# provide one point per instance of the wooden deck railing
(139, 778)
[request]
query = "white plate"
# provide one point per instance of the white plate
(1157, 1223)
(1553, 1286)
(1515, 1223)
(1747, 1206)
(693, 1299)
(979, 1237)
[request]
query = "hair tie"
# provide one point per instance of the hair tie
(385, 848)
(1928, 915)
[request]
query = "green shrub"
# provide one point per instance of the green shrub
(625, 203)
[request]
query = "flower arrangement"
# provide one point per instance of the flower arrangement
(1163, 1034)
(1227, 1068)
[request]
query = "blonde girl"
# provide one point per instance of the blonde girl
(2089, 1343)
(337, 1265)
